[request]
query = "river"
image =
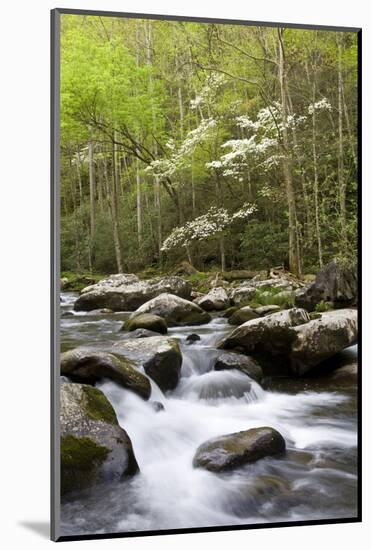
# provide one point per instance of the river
(316, 479)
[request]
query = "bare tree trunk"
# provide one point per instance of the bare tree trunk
(315, 169)
(78, 170)
(139, 205)
(157, 192)
(92, 204)
(308, 224)
(193, 191)
(114, 212)
(294, 253)
(349, 128)
(341, 177)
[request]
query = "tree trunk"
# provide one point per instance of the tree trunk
(341, 177)
(92, 204)
(294, 253)
(114, 212)
(139, 205)
(78, 170)
(157, 193)
(315, 169)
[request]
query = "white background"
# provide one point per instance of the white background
(24, 256)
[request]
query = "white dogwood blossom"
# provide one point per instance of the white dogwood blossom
(208, 91)
(180, 156)
(209, 225)
(321, 105)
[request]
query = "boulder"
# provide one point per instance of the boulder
(88, 366)
(216, 299)
(146, 321)
(175, 310)
(270, 335)
(265, 310)
(242, 315)
(234, 450)
(64, 283)
(322, 338)
(245, 364)
(242, 294)
(160, 357)
(94, 448)
(334, 283)
(125, 292)
(229, 312)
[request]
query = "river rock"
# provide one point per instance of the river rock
(137, 333)
(175, 310)
(345, 375)
(334, 283)
(322, 338)
(245, 364)
(125, 292)
(192, 338)
(160, 357)
(216, 299)
(265, 310)
(146, 321)
(242, 315)
(234, 450)
(270, 335)
(94, 448)
(242, 294)
(88, 366)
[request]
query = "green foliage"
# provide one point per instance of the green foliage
(159, 124)
(264, 245)
(324, 306)
(274, 296)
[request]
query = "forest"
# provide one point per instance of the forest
(230, 147)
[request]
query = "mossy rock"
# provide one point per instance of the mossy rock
(242, 315)
(229, 312)
(146, 321)
(89, 366)
(94, 448)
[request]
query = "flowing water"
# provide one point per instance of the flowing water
(316, 479)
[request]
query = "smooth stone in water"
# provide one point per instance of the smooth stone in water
(94, 448)
(125, 292)
(245, 364)
(84, 365)
(146, 321)
(271, 335)
(160, 357)
(191, 338)
(234, 450)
